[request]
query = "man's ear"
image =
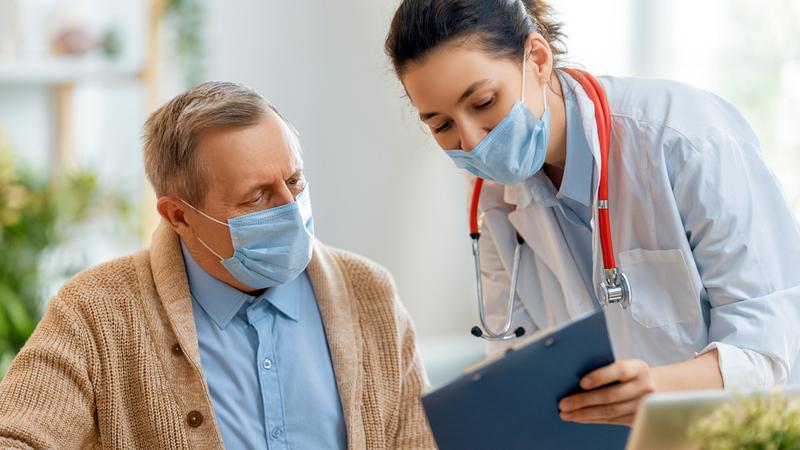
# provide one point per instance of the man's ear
(174, 212)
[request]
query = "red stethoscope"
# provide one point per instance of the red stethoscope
(615, 288)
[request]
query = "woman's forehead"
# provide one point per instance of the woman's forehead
(440, 79)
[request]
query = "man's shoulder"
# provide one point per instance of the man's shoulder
(371, 283)
(110, 283)
(356, 267)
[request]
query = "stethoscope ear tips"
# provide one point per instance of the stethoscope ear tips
(478, 332)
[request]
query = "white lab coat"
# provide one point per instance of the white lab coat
(700, 227)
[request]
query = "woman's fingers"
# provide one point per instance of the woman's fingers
(605, 402)
(618, 371)
(602, 413)
(624, 420)
(633, 389)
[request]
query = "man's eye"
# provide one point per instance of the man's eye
(296, 181)
(441, 128)
(485, 104)
(257, 199)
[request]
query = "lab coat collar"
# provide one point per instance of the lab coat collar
(530, 193)
(575, 186)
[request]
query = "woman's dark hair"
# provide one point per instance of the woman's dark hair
(498, 27)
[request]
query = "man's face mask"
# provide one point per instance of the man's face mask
(271, 247)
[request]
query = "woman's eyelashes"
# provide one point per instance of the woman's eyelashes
(480, 106)
(441, 128)
(485, 104)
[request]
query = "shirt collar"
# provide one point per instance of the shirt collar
(218, 299)
(285, 298)
(576, 184)
(222, 301)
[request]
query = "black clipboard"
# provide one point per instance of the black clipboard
(512, 402)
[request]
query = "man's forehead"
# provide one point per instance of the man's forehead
(289, 133)
(267, 147)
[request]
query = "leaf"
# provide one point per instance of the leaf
(6, 358)
(20, 320)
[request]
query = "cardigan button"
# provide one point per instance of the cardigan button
(177, 350)
(194, 419)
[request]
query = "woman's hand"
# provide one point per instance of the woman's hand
(605, 402)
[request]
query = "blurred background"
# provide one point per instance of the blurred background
(78, 78)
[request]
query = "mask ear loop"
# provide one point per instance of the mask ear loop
(524, 73)
(210, 218)
(544, 86)
(209, 248)
(204, 214)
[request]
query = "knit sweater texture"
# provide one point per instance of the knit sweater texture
(115, 364)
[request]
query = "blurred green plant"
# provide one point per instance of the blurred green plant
(186, 16)
(769, 422)
(36, 214)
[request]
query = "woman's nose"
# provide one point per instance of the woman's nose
(471, 136)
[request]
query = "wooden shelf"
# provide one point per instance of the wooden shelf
(60, 71)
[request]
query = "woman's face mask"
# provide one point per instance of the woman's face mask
(272, 246)
(477, 114)
(516, 147)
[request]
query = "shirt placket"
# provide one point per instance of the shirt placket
(275, 427)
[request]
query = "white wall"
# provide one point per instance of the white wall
(379, 186)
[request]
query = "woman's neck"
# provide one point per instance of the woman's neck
(556, 157)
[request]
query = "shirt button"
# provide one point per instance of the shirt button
(194, 419)
(177, 350)
(267, 364)
(276, 433)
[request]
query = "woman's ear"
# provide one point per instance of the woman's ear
(540, 57)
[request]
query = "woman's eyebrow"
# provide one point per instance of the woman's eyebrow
(472, 88)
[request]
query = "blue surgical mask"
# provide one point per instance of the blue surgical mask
(515, 149)
(271, 247)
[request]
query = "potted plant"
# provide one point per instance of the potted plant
(36, 214)
(758, 422)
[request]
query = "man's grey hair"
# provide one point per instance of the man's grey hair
(171, 133)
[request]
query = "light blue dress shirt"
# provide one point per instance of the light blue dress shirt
(267, 364)
(572, 202)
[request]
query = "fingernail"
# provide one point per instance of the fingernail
(587, 383)
(565, 406)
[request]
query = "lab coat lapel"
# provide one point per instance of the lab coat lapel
(589, 123)
(340, 320)
(533, 222)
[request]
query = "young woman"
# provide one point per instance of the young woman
(707, 291)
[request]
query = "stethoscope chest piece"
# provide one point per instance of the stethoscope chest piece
(615, 289)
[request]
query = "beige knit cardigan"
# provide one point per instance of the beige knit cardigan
(114, 363)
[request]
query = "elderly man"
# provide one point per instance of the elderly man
(236, 328)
